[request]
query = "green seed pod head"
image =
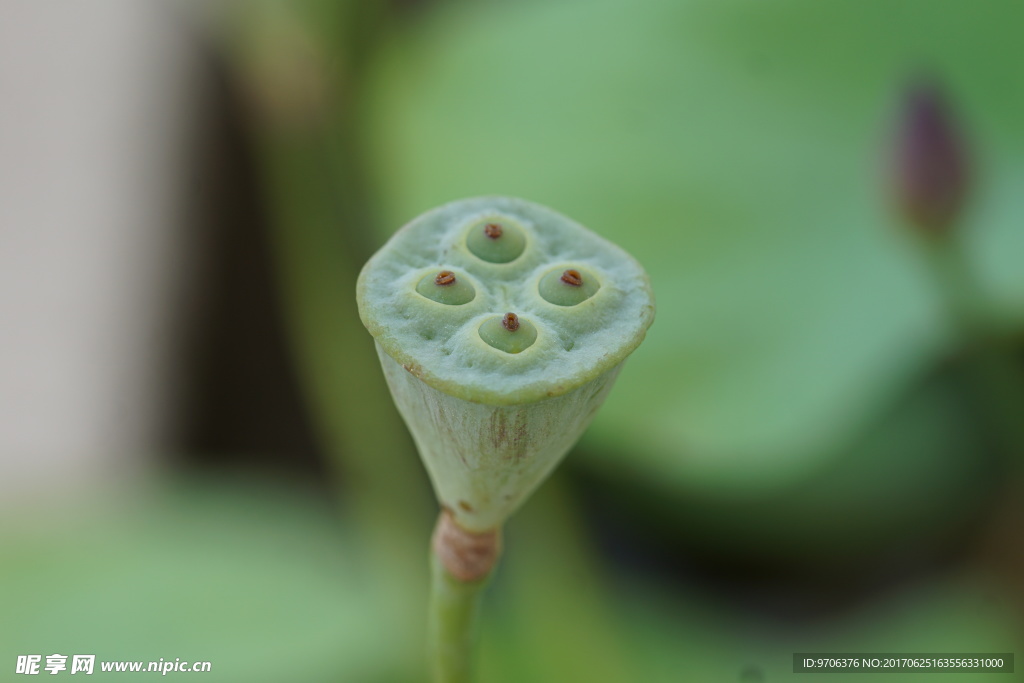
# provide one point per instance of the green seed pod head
(499, 353)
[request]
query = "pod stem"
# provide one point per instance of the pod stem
(461, 564)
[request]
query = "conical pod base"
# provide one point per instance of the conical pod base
(485, 460)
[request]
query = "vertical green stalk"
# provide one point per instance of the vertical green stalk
(453, 623)
(991, 368)
(932, 181)
(461, 564)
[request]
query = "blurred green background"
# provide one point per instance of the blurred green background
(818, 447)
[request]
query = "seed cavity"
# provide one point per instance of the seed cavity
(496, 239)
(509, 333)
(445, 288)
(571, 277)
(568, 287)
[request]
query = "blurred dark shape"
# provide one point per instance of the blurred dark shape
(932, 174)
(241, 404)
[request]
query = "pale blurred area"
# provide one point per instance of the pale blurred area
(130, 325)
(97, 102)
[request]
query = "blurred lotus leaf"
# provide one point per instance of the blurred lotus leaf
(739, 151)
(258, 582)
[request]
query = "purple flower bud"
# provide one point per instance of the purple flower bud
(931, 174)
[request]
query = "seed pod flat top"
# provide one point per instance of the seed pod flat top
(500, 301)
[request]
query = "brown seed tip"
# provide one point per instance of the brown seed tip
(493, 230)
(572, 277)
(510, 322)
(445, 277)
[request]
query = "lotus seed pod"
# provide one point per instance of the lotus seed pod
(497, 386)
